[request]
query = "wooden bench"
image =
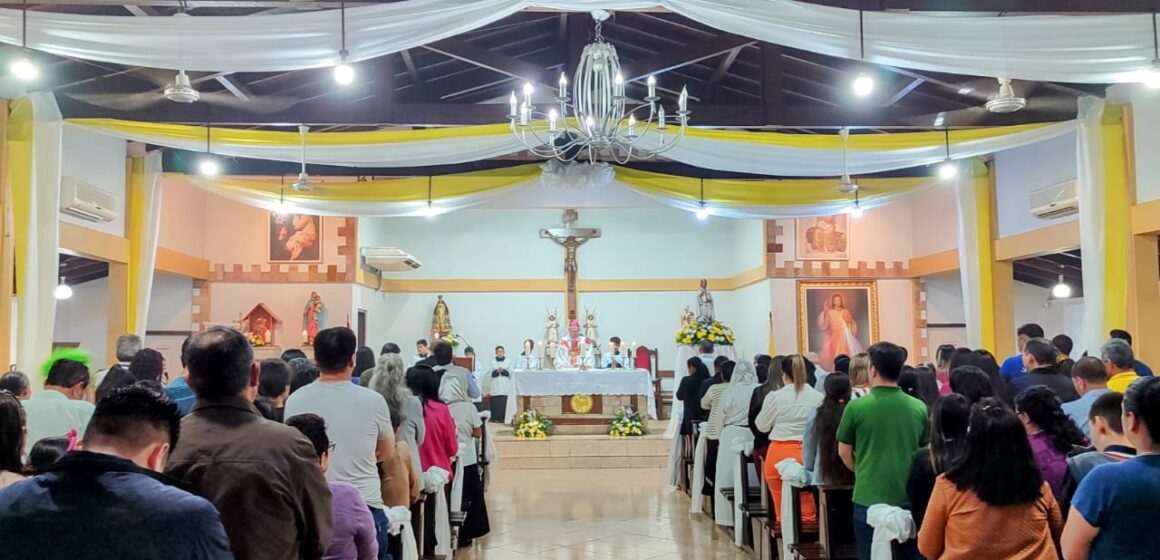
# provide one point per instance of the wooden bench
(836, 520)
(753, 507)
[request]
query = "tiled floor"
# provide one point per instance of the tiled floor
(573, 514)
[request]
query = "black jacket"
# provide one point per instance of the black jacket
(689, 393)
(1047, 377)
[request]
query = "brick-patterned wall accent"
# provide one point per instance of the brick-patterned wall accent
(775, 241)
(921, 338)
(201, 305)
(312, 273)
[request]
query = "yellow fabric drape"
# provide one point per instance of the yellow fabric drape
(404, 189)
(888, 141)
(136, 230)
(1117, 221)
(764, 192)
(20, 178)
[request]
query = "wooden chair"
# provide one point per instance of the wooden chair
(836, 521)
(646, 359)
(806, 544)
(685, 466)
(752, 505)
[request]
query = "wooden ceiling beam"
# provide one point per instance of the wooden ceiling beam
(693, 52)
(491, 60)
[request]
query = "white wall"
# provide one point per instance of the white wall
(934, 221)
(171, 303)
(98, 160)
(944, 298)
(638, 243)
(83, 319)
(1055, 316)
(1145, 115)
(1021, 170)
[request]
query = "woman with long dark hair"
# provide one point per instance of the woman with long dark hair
(364, 364)
(949, 418)
(784, 415)
(12, 436)
(772, 382)
(1052, 433)
(821, 441)
(972, 383)
(926, 385)
(1000, 504)
(689, 393)
(942, 358)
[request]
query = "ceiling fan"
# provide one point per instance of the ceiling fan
(1009, 97)
(179, 89)
(303, 183)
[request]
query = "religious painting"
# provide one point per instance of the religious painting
(823, 238)
(836, 318)
(295, 238)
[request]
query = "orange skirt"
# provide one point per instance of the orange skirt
(779, 451)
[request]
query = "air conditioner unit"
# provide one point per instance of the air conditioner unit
(1054, 201)
(389, 259)
(86, 201)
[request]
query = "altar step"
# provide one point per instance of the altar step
(582, 451)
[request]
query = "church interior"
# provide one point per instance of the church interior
(584, 201)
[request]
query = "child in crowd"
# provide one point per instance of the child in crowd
(47, 451)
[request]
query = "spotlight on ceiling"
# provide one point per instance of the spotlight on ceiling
(947, 170)
(863, 84)
(344, 74)
(703, 213)
(855, 211)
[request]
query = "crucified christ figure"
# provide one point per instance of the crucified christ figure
(570, 238)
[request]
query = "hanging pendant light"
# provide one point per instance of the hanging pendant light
(22, 67)
(1152, 75)
(947, 170)
(282, 209)
(63, 290)
(430, 210)
(208, 166)
(1061, 290)
(343, 72)
(703, 211)
(863, 85)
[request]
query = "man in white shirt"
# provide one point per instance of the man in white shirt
(707, 356)
(61, 406)
(615, 358)
(357, 420)
(127, 346)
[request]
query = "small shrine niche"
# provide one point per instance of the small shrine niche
(261, 324)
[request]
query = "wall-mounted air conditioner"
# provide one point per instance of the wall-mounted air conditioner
(389, 259)
(86, 201)
(1055, 201)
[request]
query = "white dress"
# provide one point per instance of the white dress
(729, 420)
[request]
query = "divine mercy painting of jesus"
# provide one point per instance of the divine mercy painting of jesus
(836, 318)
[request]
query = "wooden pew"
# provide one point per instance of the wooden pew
(836, 520)
(752, 505)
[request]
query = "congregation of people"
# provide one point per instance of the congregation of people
(1039, 457)
(281, 458)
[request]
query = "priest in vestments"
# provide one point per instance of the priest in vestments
(575, 351)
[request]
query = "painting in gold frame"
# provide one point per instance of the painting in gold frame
(837, 317)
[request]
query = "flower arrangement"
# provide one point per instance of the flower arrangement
(255, 339)
(711, 330)
(530, 424)
(451, 339)
(627, 423)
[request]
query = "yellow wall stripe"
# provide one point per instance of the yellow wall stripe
(1117, 208)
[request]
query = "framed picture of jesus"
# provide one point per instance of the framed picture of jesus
(295, 238)
(823, 238)
(836, 318)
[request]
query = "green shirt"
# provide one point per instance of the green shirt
(885, 427)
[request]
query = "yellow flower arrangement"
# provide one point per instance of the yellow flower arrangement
(530, 424)
(713, 331)
(627, 423)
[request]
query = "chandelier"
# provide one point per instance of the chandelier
(598, 119)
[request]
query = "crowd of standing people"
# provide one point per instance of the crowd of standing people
(279, 459)
(1038, 457)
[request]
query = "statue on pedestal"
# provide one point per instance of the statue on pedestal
(441, 319)
(590, 325)
(705, 308)
(552, 328)
(313, 318)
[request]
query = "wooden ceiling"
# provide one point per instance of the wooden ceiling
(1044, 271)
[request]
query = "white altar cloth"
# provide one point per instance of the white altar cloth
(539, 383)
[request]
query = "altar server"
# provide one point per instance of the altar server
(497, 384)
(616, 358)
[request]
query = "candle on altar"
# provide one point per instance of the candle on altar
(305, 338)
(539, 349)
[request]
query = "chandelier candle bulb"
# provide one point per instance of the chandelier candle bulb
(524, 114)
(631, 125)
(552, 116)
(652, 86)
(528, 94)
(563, 86)
(661, 117)
(683, 100)
(514, 104)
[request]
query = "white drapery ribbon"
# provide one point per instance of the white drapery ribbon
(399, 518)
(793, 475)
(740, 447)
(697, 500)
(433, 481)
(890, 523)
(1090, 189)
(145, 240)
(1087, 48)
(457, 482)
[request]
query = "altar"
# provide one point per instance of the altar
(635, 383)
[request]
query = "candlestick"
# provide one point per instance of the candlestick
(524, 114)
(683, 100)
(652, 86)
(661, 117)
(552, 116)
(514, 104)
(632, 125)
(528, 93)
(563, 85)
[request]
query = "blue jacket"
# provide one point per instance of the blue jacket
(92, 505)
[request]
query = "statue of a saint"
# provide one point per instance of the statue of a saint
(552, 328)
(705, 310)
(687, 318)
(313, 317)
(590, 325)
(441, 319)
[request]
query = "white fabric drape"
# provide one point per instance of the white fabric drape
(969, 259)
(1092, 218)
(697, 501)
(751, 154)
(434, 479)
(400, 524)
(793, 475)
(742, 447)
(1088, 48)
(148, 239)
(36, 299)
(890, 523)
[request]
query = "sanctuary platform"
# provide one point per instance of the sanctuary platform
(595, 450)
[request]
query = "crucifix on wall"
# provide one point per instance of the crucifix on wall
(570, 238)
